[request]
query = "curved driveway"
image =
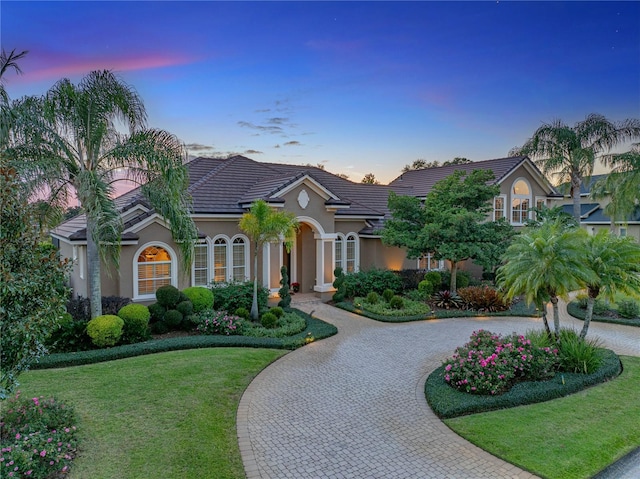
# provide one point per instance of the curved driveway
(353, 406)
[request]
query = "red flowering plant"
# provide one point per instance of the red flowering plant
(218, 322)
(37, 438)
(491, 364)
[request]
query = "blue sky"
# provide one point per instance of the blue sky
(357, 86)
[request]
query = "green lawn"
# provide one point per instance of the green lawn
(572, 437)
(168, 415)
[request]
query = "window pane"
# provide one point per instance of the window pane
(339, 253)
(220, 260)
(521, 188)
(154, 269)
(200, 265)
(239, 260)
(351, 254)
(498, 208)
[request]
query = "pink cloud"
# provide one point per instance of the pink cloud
(53, 69)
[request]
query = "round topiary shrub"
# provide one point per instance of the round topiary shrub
(426, 288)
(396, 302)
(157, 312)
(186, 308)
(201, 297)
(373, 298)
(136, 322)
(387, 294)
(168, 296)
(269, 320)
(159, 328)
(173, 318)
(242, 312)
(105, 330)
(435, 278)
(277, 310)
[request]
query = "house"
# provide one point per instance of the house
(339, 225)
(592, 212)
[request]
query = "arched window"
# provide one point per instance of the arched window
(338, 247)
(201, 264)
(351, 256)
(153, 268)
(520, 201)
(239, 259)
(220, 260)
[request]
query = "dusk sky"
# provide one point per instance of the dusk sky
(361, 87)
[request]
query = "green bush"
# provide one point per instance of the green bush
(168, 296)
(387, 294)
(628, 308)
(426, 288)
(157, 312)
(435, 278)
(159, 327)
(269, 320)
(283, 292)
(173, 318)
(582, 298)
(201, 297)
(186, 308)
(291, 323)
(339, 284)
(373, 298)
(396, 302)
(136, 322)
(277, 310)
(601, 307)
(105, 330)
(70, 336)
(231, 296)
(579, 355)
(242, 313)
(356, 284)
(463, 278)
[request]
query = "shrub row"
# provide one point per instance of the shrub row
(316, 328)
(448, 402)
(574, 309)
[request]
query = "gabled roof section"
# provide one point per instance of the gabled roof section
(422, 181)
(585, 209)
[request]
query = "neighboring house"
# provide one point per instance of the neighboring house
(592, 215)
(339, 221)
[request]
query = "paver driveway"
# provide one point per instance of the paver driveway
(352, 406)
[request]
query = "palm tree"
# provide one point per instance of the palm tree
(622, 185)
(616, 264)
(71, 141)
(265, 225)
(545, 263)
(569, 153)
(8, 61)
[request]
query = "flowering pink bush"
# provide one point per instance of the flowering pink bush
(490, 364)
(218, 322)
(37, 438)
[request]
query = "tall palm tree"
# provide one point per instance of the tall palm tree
(616, 264)
(569, 153)
(8, 61)
(545, 263)
(263, 225)
(622, 185)
(72, 141)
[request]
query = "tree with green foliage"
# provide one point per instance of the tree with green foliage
(370, 179)
(545, 264)
(263, 224)
(33, 292)
(615, 263)
(570, 153)
(452, 223)
(621, 185)
(69, 142)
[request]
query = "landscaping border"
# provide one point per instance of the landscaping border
(316, 329)
(447, 402)
(577, 312)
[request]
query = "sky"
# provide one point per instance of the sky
(359, 87)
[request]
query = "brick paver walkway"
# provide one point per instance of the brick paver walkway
(353, 406)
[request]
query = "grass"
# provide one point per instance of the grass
(169, 415)
(570, 438)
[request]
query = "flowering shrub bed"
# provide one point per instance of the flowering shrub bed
(37, 438)
(491, 364)
(218, 322)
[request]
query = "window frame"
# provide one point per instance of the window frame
(173, 273)
(523, 215)
(504, 206)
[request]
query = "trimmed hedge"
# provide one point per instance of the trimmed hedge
(576, 311)
(448, 402)
(316, 328)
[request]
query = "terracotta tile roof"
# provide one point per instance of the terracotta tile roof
(421, 181)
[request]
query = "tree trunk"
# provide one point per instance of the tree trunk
(254, 305)
(543, 308)
(93, 273)
(575, 193)
(454, 274)
(556, 316)
(591, 301)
